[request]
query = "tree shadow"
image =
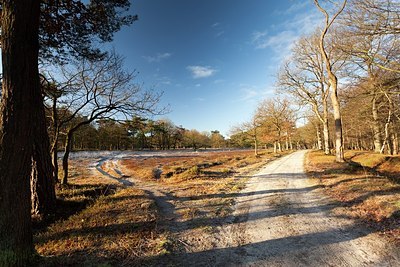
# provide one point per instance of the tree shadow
(67, 205)
(287, 248)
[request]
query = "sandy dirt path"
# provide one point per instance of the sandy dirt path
(282, 219)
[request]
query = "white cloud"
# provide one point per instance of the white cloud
(282, 40)
(201, 71)
(157, 58)
(282, 37)
(253, 94)
(296, 7)
(220, 33)
(218, 81)
(249, 94)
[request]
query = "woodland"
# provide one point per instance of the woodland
(338, 91)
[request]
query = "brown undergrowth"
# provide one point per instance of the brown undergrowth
(363, 193)
(130, 226)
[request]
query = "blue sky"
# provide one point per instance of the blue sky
(213, 59)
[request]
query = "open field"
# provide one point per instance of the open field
(363, 191)
(142, 208)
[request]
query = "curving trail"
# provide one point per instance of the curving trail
(281, 219)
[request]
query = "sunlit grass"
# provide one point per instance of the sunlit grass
(127, 227)
(364, 195)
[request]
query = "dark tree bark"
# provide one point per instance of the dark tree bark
(42, 180)
(54, 120)
(19, 41)
(67, 150)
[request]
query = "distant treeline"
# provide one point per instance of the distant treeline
(142, 134)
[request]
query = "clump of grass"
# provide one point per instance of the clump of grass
(194, 170)
(370, 160)
(156, 173)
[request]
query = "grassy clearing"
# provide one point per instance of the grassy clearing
(127, 226)
(384, 164)
(364, 195)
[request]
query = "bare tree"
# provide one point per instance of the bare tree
(94, 90)
(332, 78)
(370, 38)
(374, 20)
(250, 129)
(276, 119)
(304, 78)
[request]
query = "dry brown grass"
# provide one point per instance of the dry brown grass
(384, 164)
(120, 227)
(371, 198)
(204, 165)
(128, 227)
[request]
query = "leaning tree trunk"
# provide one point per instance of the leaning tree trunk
(332, 79)
(19, 48)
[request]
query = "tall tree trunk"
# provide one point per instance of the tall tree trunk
(54, 157)
(19, 48)
(279, 146)
(54, 147)
(338, 119)
(332, 79)
(287, 142)
(395, 142)
(319, 140)
(387, 141)
(325, 124)
(255, 142)
(67, 150)
(376, 126)
(42, 180)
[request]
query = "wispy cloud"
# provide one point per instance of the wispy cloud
(258, 38)
(157, 58)
(218, 29)
(249, 94)
(201, 71)
(296, 7)
(282, 40)
(218, 81)
(253, 94)
(282, 37)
